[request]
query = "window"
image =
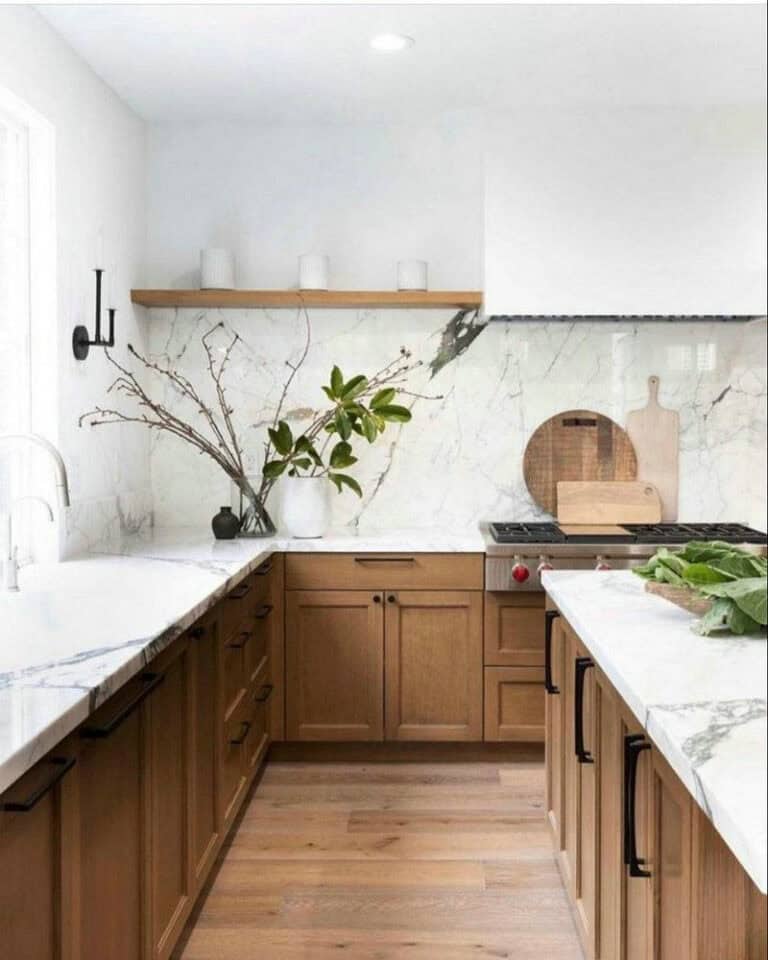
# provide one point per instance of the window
(15, 405)
(27, 306)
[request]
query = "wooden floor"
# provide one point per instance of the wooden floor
(430, 853)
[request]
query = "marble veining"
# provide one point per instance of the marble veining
(702, 700)
(79, 630)
(460, 459)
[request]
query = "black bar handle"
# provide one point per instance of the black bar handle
(581, 666)
(262, 612)
(634, 745)
(244, 637)
(150, 682)
(266, 693)
(549, 619)
(264, 569)
(239, 592)
(62, 766)
(385, 560)
(245, 728)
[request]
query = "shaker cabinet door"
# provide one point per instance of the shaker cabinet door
(434, 665)
(334, 648)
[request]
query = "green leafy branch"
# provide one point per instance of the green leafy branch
(358, 407)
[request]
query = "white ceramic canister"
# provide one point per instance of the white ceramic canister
(306, 506)
(217, 269)
(314, 271)
(412, 275)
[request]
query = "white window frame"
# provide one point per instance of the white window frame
(38, 305)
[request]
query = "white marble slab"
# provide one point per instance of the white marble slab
(702, 700)
(78, 630)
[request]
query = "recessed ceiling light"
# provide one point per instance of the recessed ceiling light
(391, 42)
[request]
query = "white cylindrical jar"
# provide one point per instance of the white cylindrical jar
(314, 271)
(412, 275)
(217, 269)
(306, 506)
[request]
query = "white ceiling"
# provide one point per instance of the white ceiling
(312, 64)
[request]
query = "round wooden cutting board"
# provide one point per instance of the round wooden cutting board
(576, 445)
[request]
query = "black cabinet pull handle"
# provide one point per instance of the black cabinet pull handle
(245, 728)
(582, 665)
(266, 693)
(197, 632)
(243, 637)
(264, 569)
(391, 598)
(385, 560)
(377, 598)
(634, 745)
(263, 611)
(549, 619)
(61, 766)
(150, 682)
(239, 592)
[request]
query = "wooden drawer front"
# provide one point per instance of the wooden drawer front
(391, 571)
(235, 652)
(514, 629)
(257, 648)
(237, 605)
(259, 699)
(232, 763)
(514, 703)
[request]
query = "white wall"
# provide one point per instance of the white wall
(367, 196)
(627, 211)
(99, 202)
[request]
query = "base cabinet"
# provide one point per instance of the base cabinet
(106, 844)
(434, 656)
(648, 876)
(110, 829)
(334, 682)
(35, 854)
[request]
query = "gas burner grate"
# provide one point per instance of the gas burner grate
(685, 532)
(527, 533)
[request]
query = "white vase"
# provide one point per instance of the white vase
(306, 506)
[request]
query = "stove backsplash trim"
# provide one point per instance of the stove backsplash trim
(460, 459)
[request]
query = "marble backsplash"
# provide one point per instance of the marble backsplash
(460, 459)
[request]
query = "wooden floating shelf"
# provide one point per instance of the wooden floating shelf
(239, 299)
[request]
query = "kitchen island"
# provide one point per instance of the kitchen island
(628, 677)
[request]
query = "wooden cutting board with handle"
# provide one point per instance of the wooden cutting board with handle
(575, 445)
(607, 501)
(655, 435)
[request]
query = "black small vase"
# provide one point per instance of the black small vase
(225, 524)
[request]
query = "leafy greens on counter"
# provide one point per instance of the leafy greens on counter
(736, 580)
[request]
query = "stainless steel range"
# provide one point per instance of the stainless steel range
(517, 553)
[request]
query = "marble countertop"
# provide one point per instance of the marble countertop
(702, 700)
(78, 630)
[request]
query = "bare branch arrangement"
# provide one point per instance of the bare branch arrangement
(361, 406)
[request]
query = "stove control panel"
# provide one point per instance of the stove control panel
(523, 571)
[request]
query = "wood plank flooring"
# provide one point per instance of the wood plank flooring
(389, 852)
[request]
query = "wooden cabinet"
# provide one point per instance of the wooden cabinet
(670, 832)
(334, 649)
(514, 704)
(168, 731)
(110, 827)
(648, 876)
(554, 730)
(35, 838)
(204, 731)
(434, 665)
(514, 629)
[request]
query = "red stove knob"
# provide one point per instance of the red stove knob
(520, 572)
(603, 564)
(544, 565)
